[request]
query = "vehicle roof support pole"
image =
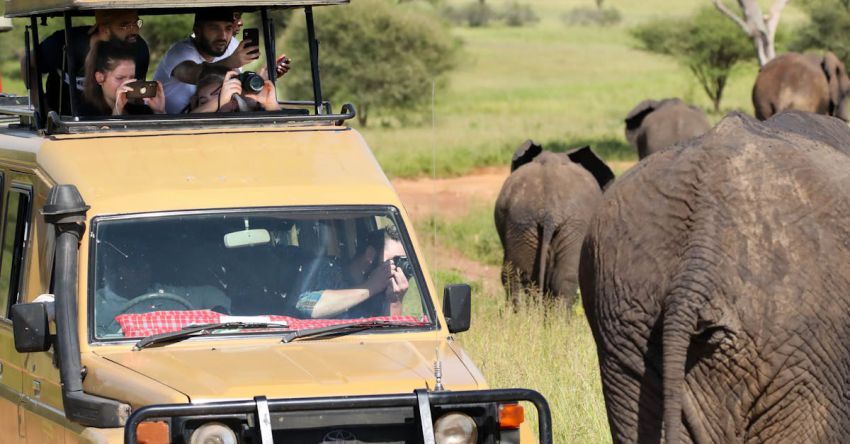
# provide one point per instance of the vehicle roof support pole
(39, 88)
(314, 59)
(72, 65)
(269, 40)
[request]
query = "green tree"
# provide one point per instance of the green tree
(376, 54)
(708, 44)
(828, 28)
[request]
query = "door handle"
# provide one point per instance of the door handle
(36, 389)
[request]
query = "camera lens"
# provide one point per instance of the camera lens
(251, 82)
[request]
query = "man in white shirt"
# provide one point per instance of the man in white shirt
(212, 43)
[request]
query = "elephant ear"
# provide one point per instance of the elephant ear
(832, 68)
(635, 118)
(591, 162)
(525, 153)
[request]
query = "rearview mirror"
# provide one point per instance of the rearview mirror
(247, 238)
(31, 327)
(457, 307)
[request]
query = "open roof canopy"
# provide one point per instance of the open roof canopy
(25, 8)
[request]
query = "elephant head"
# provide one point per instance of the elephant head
(839, 85)
(634, 119)
(654, 125)
(583, 156)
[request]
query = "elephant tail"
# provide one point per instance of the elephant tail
(675, 339)
(543, 260)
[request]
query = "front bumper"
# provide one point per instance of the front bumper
(406, 417)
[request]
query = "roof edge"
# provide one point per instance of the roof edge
(26, 8)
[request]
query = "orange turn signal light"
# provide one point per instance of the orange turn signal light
(153, 432)
(511, 416)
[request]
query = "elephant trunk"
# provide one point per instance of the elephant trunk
(546, 239)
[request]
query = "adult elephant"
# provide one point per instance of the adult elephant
(541, 215)
(653, 125)
(716, 281)
(803, 82)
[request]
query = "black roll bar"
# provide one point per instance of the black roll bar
(268, 39)
(40, 114)
(544, 414)
(314, 59)
(72, 66)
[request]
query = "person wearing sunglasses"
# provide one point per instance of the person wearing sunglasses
(110, 24)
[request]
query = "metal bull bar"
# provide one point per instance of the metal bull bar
(420, 399)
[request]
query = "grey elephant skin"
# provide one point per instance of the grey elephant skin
(803, 82)
(715, 277)
(541, 215)
(654, 125)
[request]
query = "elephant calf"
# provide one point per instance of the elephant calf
(716, 281)
(654, 125)
(803, 82)
(541, 215)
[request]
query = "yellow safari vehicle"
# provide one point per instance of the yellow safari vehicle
(247, 277)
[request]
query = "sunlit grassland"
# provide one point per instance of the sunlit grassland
(550, 82)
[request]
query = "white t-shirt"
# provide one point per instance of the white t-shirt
(177, 93)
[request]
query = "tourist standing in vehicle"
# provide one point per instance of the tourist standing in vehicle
(212, 43)
(110, 24)
(111, 69)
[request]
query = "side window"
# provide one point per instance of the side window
(15, 236)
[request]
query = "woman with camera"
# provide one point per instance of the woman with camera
(111, 86)
(233, 92)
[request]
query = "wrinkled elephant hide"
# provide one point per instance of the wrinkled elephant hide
(715, 277)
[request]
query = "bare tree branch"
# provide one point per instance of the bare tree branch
(773, 16)
(726, 11)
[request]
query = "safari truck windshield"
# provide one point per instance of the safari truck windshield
(158, 274)
(216, 274)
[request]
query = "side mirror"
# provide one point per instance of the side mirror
(31, 327)
(457, 307)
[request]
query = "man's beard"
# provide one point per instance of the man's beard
(206, 47)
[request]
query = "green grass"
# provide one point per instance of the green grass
(474, 234)
(549, 82)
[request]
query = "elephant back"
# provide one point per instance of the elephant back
(791, 81)
(744, 232)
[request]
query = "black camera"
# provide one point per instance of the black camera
(251, 82)
(404, 263)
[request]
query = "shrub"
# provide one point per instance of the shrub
(828, 28)
(519, 14)
(589, 16)
(378, 55)
(474, 14)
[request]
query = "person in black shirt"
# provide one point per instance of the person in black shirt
(116, 24)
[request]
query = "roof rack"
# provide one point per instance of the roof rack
(57, 124)
(26, 8)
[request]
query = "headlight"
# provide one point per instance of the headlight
(455, 428)
(213, 433)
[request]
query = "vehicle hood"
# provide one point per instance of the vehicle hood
(218, 370)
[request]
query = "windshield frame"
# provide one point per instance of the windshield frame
(391, 211)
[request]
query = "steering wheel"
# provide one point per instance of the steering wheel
(171, 297)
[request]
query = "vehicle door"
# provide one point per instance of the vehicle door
(41, 413)
(11, 362)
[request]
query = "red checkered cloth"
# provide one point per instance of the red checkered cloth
(146, 324)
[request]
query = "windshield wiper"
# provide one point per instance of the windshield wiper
(345, 329)
(201, 330)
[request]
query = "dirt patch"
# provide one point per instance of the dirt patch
(452, 197)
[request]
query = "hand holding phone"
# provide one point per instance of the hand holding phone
(251, 37)
(141, 89)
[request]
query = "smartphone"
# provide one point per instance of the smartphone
(251, 36)
(141, 89)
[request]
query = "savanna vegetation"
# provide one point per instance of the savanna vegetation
(532, 69)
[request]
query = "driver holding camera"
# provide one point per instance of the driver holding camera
(372, 283)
